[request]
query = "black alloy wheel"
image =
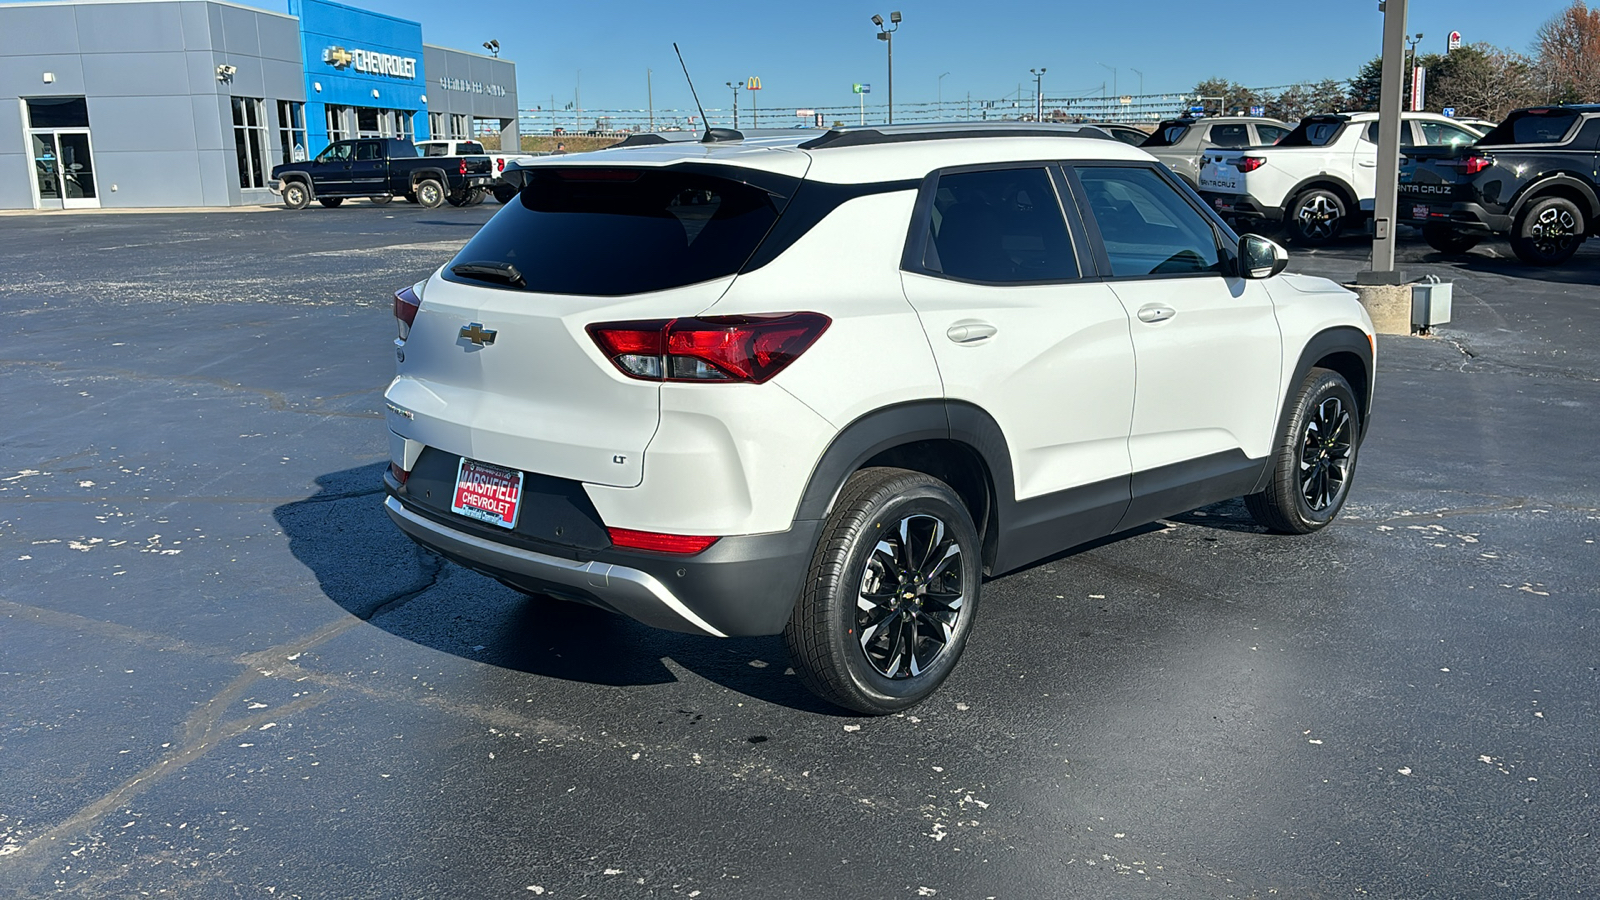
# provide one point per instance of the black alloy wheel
(1548, 232)
(1316, 217)
(891, 595)
(1315, 460)
(1445, 239)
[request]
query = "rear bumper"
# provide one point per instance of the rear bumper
(741, 586)
(1240, 205)
(1461, 215)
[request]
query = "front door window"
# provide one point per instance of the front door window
(77, 173)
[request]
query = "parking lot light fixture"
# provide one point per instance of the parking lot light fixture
(887, 35)
(1038, 93)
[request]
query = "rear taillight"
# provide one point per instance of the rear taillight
(406, 303)
(1472, 165)
(399, 474)
(744, 349)
(500, 164)
(1249, 163)
(682, 544)
(463, 166)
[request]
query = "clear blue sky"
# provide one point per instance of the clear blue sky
(808, 54)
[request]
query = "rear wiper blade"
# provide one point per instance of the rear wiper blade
(490, 271)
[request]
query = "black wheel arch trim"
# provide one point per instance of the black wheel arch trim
(301, 178)
(1538, 190)
(420, 175)
(1339, 340)
(1344, 188)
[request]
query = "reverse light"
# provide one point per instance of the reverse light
(682, 544)
(743, 349)
(1249, 163)
(406, 302)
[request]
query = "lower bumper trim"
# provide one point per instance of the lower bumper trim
(629, 591)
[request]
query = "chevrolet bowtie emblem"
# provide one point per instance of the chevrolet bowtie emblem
(478, 335)
(338, 56)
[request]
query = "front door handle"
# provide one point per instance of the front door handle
(1156, 313)
(970, 332)
(1368, 165)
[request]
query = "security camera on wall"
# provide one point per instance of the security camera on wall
(226, 72)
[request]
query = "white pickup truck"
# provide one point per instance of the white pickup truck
(498, 188)
(1320, 179)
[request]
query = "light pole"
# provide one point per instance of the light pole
(887, 35)
(1114, 94)
(941, 92)
(735, 86)
(1038, 93)
(1411, 73)
(1141, 79)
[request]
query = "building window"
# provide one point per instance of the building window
(436, 125)
(338, 123)
(250, 141)
(459, 126)
(403, 128)
(292, 130)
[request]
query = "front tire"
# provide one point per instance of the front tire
(1548, 232)
(1445, 239)
(1316, 458)
(430, 193)
(296, 195)
(1316, 217)
(891, 593)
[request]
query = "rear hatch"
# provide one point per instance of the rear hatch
(498, 365)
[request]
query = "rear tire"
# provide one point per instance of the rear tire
(381, 199)
(1316, 217)
(1316, 458)
(430, 193)
(296, 195)
(1445, 239)
(1548, 232)
(411, 197)
(891, 593)
(330, 202)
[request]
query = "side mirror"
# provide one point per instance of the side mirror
(1260, 258)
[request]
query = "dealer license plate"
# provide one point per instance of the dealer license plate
(1419, 210)
(487, 493)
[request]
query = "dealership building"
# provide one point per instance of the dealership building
(171, 103)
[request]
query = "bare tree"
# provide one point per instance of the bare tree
(1569, 54)
(1485, 81)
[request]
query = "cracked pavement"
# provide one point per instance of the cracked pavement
(223, 673)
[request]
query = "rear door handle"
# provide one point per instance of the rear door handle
(1156, 313)
(970, 332)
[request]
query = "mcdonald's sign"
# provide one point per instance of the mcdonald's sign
(754, 84)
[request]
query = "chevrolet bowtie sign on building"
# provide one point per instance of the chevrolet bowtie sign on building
(371, 63)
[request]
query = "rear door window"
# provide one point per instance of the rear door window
(615, 231)
(1270, 134)
(1147, 227)
(1440, 134)
(999, 227)
(1313, 133)
(1406, 139)
(368, 150)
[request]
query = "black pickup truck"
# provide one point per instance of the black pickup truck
(382, 169)
(1535, 179)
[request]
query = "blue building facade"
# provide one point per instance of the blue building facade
(365, 74)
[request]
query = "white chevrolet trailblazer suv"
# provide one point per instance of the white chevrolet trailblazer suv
(825, 384)
(1320, 178)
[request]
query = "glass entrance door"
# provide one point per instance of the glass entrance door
(63, 170)
(77, 171)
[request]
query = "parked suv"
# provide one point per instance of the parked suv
(1321, 178)
(1180, 143)
(1533, 179)
(824, 385)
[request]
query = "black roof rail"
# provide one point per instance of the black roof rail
(863, 137)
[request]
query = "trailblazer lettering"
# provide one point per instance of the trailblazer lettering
(370, 62)
(471, 87)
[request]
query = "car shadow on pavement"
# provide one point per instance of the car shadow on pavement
(1584, 268)
(363, 563)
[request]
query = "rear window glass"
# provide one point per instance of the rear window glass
(1166, 135)
(1236, 135)
(1532, 128)
(608, 232)
(1271, 134)
(1001, 227)
(1312, 133)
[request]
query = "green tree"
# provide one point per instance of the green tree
(1224, 97)
(1366, 87)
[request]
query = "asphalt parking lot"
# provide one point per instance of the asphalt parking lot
(224, 673)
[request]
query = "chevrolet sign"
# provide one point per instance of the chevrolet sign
(371, 63)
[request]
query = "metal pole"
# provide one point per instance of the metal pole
(1389, 124)
(891, 76)
(650, 98)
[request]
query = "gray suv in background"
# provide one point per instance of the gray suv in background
(1178, 143)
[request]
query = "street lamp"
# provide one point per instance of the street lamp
(1038, 93)
(493, 46)
(941, 92)
(1114, 93)
(1141, 79)
(1411, 84)
(735, 86)
(887, 35)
